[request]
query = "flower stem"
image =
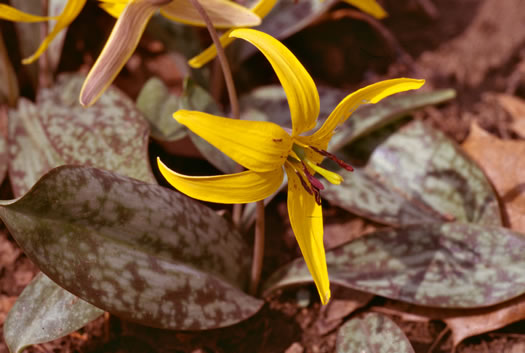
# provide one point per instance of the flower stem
(234, 102)
(230, 85)
(258, 248)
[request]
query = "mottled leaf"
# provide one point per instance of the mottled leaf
(495, 155)
(413, 174)
(372, 333)
(371, 117)
(8, 84)
(287, 18)
(447, 265)
(140, 251)
(158, 106)
(56, 130)
(44, 312)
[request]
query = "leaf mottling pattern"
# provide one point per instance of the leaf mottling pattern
(111, 134)
(44, 312)
(374, 333)
(140, 251)
(448, 265)
(414, 174)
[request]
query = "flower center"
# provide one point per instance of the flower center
(304, 167)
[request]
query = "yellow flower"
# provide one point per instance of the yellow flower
(265, 149)
(263, 8)
(133, 16)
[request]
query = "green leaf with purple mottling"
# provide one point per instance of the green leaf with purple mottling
(47, 304)
(140, 251)
(447, 265)
(372, 333)
(413, 174)
(57, 130)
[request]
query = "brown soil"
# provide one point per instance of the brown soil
(473, 46)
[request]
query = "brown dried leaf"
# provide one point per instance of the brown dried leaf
(485, 320)
(463, 323)
(504, 163)
(516, 108)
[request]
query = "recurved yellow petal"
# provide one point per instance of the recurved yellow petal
(209, 53)
(261, 9)
(70, 12)
(371, 7)
(306, 218)
(260, 146)
(299, 87)
(11, 14)
(223, 13)
(369, 94)
(241, 187)
(121, 44)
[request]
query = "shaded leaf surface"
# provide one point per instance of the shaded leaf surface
(44, 312)
(158, 106)
(372, 333)
(504, 162)
(447, 265)
(139, 251)
(56, 130)
(413, 174)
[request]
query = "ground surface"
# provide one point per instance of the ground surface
(474, 46)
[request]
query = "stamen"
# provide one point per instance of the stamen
(317, 195)
(303, 183)
(332, 177)
(315, 183)
(341, 163)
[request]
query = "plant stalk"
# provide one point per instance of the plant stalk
(258, 248)
(228, 78)
(230, 85)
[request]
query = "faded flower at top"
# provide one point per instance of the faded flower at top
(132, 18)
(265, 149)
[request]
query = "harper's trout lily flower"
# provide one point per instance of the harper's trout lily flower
(265, 149)
(132, 18)
(261, 9)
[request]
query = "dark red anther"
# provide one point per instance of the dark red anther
(341, 163)
(317, 196)
(303, 183)
(315, 183)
